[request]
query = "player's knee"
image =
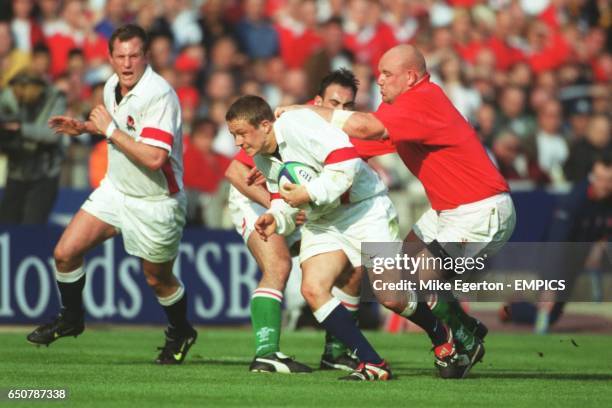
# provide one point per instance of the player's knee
(312, 292)
(153, 281)
(63, 255)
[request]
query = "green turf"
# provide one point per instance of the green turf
(113, 368)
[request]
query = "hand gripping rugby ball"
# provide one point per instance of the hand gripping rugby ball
(296, 173)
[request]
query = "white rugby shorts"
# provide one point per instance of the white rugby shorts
(244, 212)
(152, 227)
(470, 230)
(346, 227)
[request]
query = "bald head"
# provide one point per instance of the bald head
(400, 69)
(409, 57)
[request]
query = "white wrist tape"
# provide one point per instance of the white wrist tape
(110, 129)
(339, 117)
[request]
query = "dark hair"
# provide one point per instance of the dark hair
(202, 122)
(604, 158)
(75, 52)
(343, 77)
(40, 48)
(334, 20)
(127, 32)
(251, 108)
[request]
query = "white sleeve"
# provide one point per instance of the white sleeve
(162, 122)
(330, 147)
(283, 213)
(334, 181)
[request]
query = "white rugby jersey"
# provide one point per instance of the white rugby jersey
(150, 113)
(344, 178)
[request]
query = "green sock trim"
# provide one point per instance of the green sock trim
(266, 320)
(451, 314)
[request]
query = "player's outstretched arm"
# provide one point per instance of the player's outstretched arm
(70, 126)
(152, 157)
(237, 174)
(360, 125)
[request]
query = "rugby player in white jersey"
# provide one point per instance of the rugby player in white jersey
(350, 205)
(141, 196)
(246, 204)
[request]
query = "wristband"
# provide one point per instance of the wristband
(339, 118)
(110, 129)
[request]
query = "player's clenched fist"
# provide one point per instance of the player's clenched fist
(294, 194)
(265, 226)
(100, 118)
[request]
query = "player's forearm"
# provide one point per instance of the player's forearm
(363, 125)
(360, 125)
(236, 174)
(151, 157)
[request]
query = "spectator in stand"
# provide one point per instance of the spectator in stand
(365, 36)
(578, 116)
(160, 51)
(547, 49)
(505, 54)
(454, 83)
(115, 15)
(331, 56)
(298, 38)
(256, 34)
(583, 152)
(12, 60)
(76, 32)
(401, 18)
(26, 30)
(41, 61)
(50, 20)
(550, 144)
(179, 21)
(204, 174)
(485, 124)
(512, 113)
(213, 23)
(513, 163)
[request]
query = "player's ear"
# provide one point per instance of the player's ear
(266, 126)
(318, 101)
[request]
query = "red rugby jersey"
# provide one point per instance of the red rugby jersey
(440, 148)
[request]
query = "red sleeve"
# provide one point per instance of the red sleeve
(244, 158)
(366, 149)
(400, 122)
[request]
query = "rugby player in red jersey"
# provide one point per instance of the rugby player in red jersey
(472, 213)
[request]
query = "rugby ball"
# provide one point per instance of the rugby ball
(296, 173)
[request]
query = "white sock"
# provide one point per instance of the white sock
(173, 298)
(69, 277)
(321, 313)
(350, 302)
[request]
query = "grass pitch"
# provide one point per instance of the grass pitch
(113, 368)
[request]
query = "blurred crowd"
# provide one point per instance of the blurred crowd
(532, 76)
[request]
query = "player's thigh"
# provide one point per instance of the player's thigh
(319, 272)
(152, 229)
(84, 232)
(272, 256)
